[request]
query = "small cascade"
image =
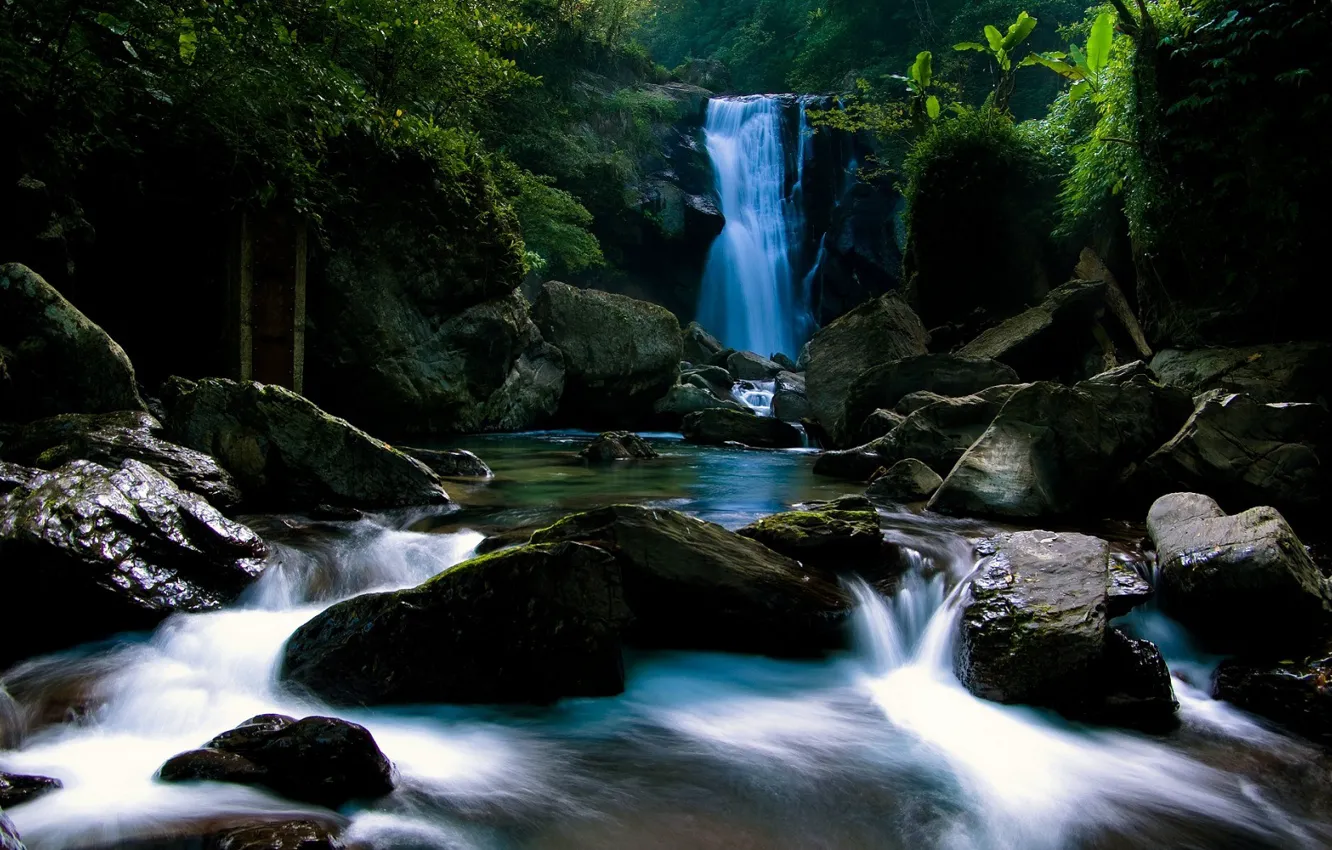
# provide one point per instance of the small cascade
(756, 395)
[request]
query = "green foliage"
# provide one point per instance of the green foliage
(1083, 67)
(1001, 49)
(554, 223)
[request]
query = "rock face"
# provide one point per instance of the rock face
(834, 541)
(1244, 452)
(1034, 630)
(286, 452)
(905, 481)
(92, 551)
(450, 463)
(319, 760)
(697, 345)
(748, 366)
(55, 358)
(109, 439)
(716, 427)
(880, 423)
(1244, 581)
(789, 399)
(876, 332)
(1058, 451)
(1297, 371)
(617, 445)
(438, 642)
(740, 595)
(620, 354)
(1296, 693)
(883, 386)
(16, 790)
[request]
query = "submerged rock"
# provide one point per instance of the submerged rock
(620, 354)
(905, 481)
(109, 439)
(949, 375)
(450, 463)
(617, 445)
(473, 634)
(1297, 371)
(748, 366)
(694, 585)
(287, 453)
(1297, 693)
(321, 760)
(717, 427)
(90, 551)
(835, 541)
(789, 400)
(16, 790)
(55, 359)
(1243, 581)
(878, 331)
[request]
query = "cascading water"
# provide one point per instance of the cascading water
(748, 295)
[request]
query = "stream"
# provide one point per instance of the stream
(879, 747)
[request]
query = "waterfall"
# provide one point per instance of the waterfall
(748, 296)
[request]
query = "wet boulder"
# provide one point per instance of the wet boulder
(617, 445)
(473, 634)
(885, 385)
(1245, 453)
(832, 541)
(878, 331)
(16, 790)
(1243, 581)
(684, 399)
(1289, 372)
(278, 835)
(718, 427)
(90, 551)
(109, 439)
(697, 345)
(1138, 692)
(748, 366)
(1127, 589)
(789, 400)
(287, 453)
(321, 760)
(740, 595)
(54, 358)
(907, 480)
(450, 463)
(620, 354)
(1297, 693)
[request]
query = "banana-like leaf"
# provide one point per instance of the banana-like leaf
(1098, 45)
(994, 38)
(1019, 31)
(1075, 53)
(1080, 89)
(922, 71)
(971, 45)
(932, 107)
(1054, 61)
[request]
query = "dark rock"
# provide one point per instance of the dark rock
(1138, 690)
(785, 362)
(712, 378)
(789, 401)
(1297, 371)
(438, 642)
(321, 760)
(1243, 453)
(1033, 629)
(876, 332)
(450, 463)
(284, 835)
(721, 357)
(620, 354)
(861, 258)
(617, 445)
(905, 481)
(109, 439)
(55, 359)
(880, 423)
(1127, 589)
(393, 361)
(1297, 693)
(16, 790)
(718, 427)
(835, 541)
(93, 551)
(883, 386)
(1243, 581)
(911, 402)
(287, 453)
(1123, 374)
(748, 366)
(698, 346)
(682, 400)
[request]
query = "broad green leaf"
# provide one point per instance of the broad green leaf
(1075, 53)
(1080, 89)
(932, 107)
(994, 38)
(1054, 61)
(922, 71)
(971, 45)
(189, 45)
(1019, 31)
(111, 22)
(1098, 45)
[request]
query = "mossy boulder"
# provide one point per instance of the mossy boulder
(287, 453)
(694, 585)
(833, 541)
(54, 359)
(620, 354)
(617, 445)
(721, 426)
(529, 624)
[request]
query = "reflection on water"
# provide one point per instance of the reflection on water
(876, 748)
